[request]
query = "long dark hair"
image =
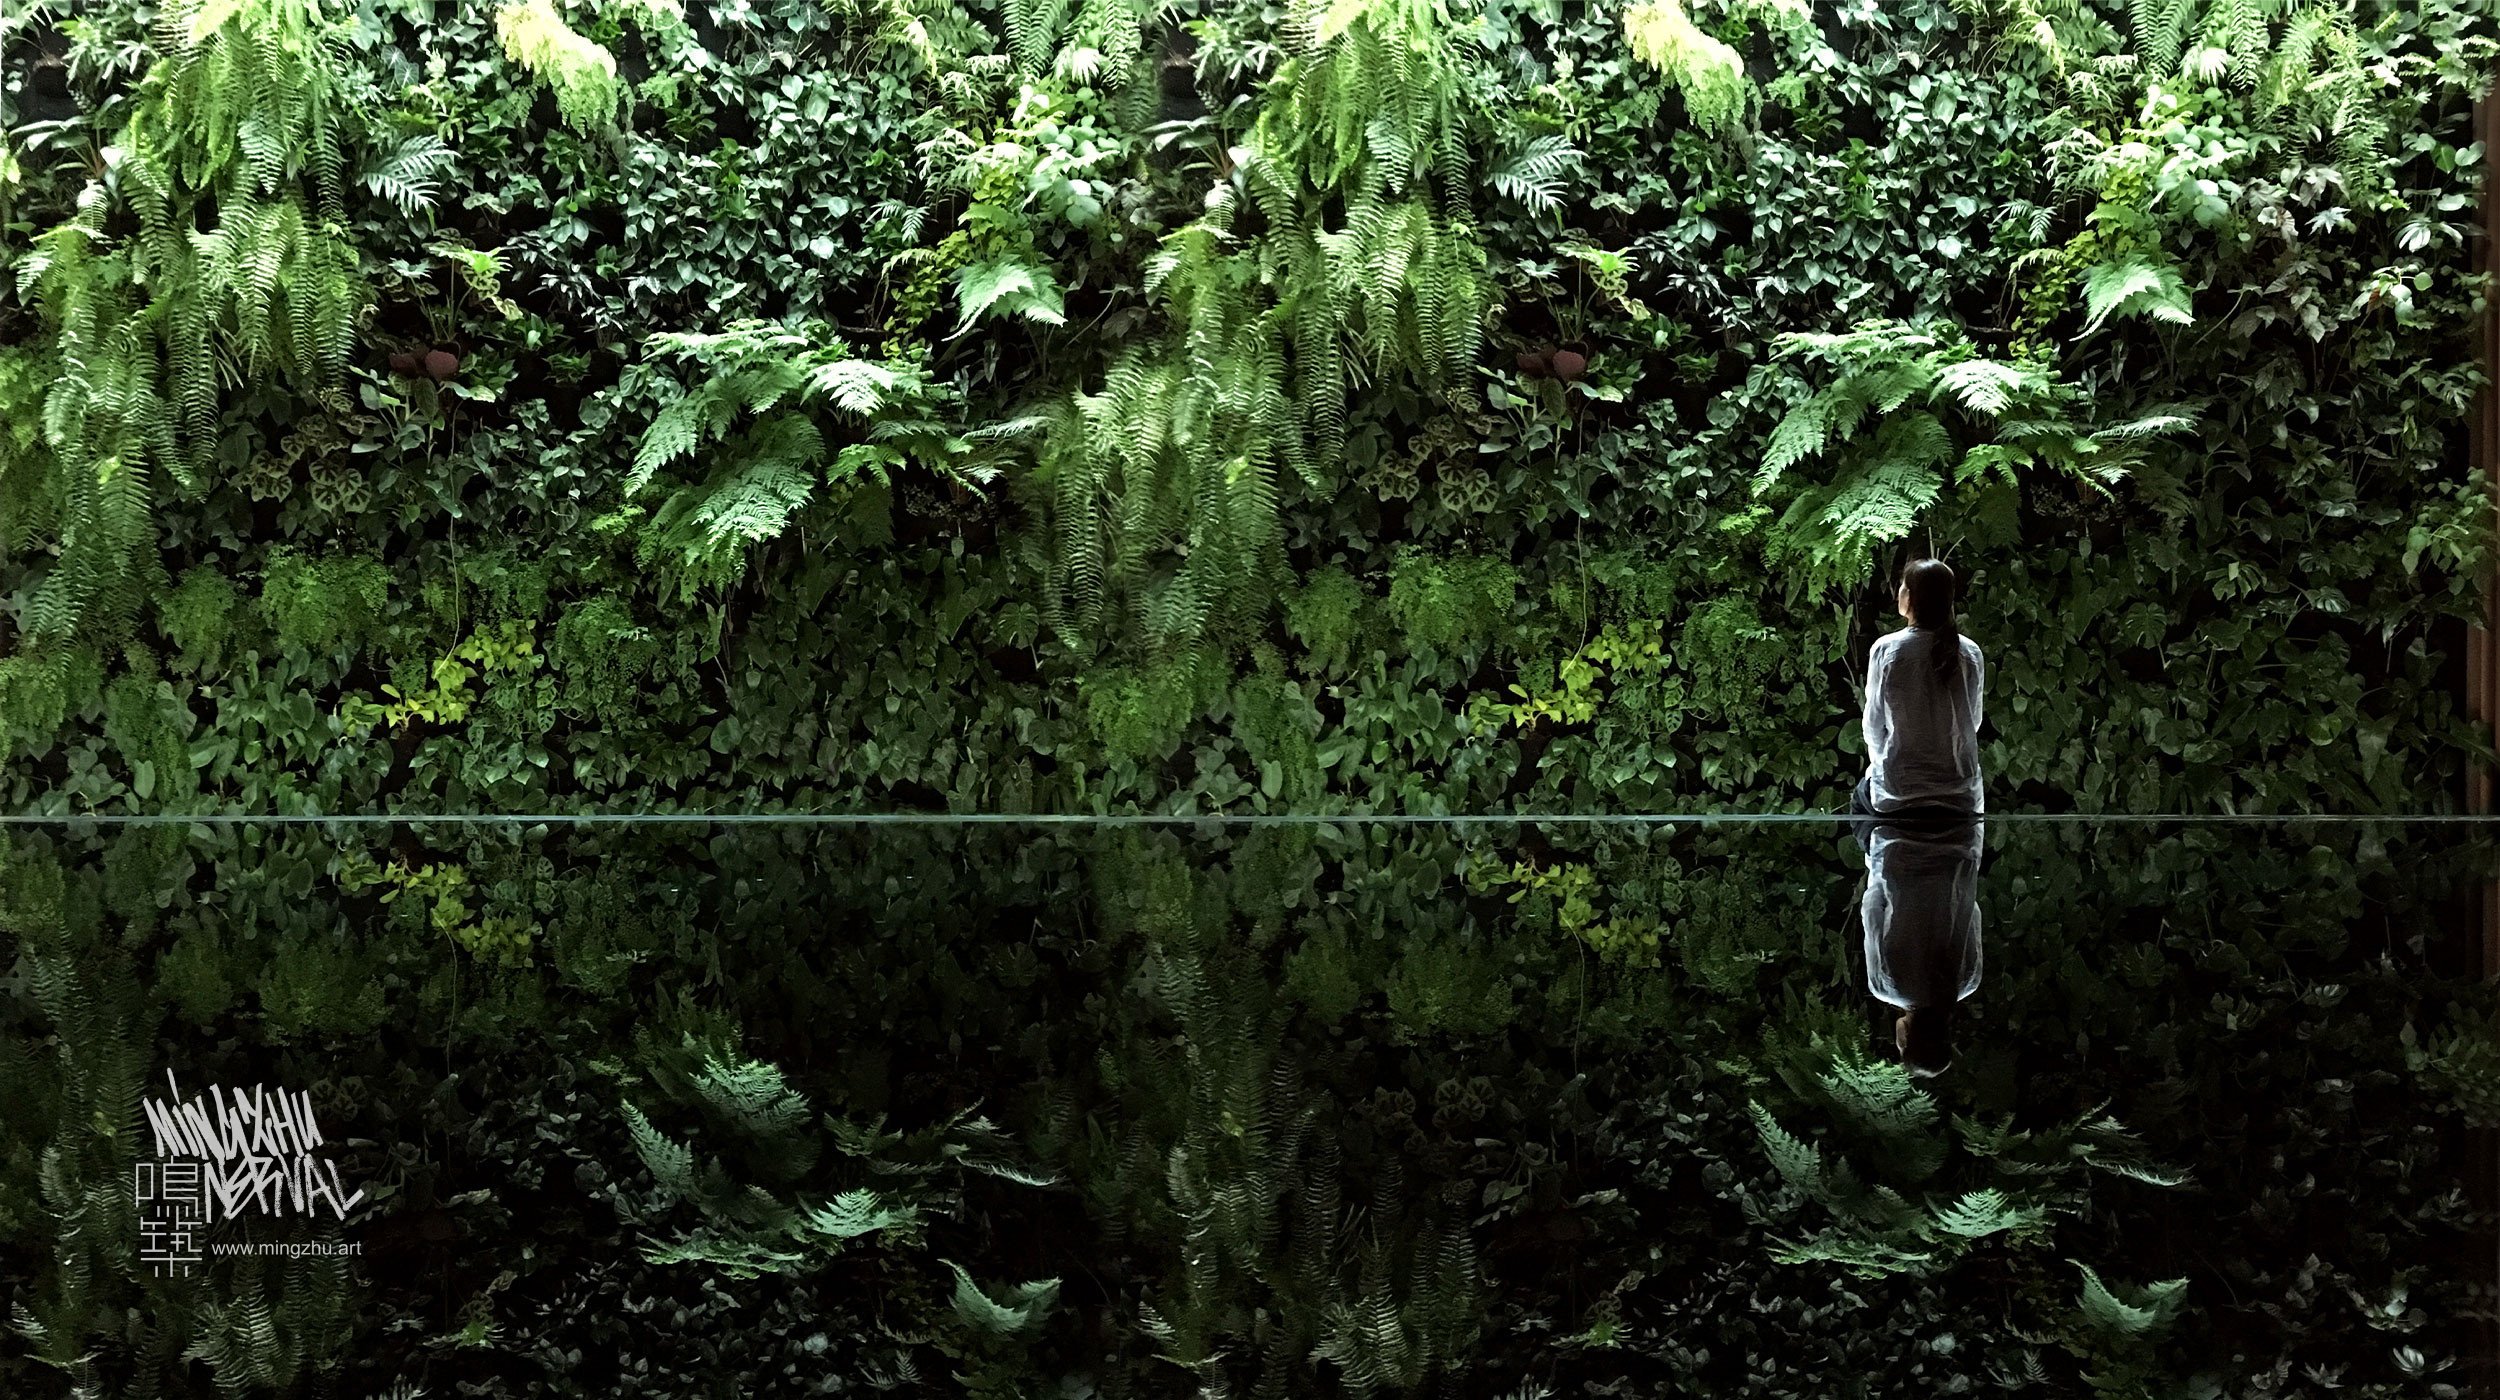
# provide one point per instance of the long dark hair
(1931, 588)
(1927, 1047)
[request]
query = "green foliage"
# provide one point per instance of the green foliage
(2462, 1062)
(1456, 604)
(846, 175)
(236, 274)
(197, 615)
(40, 690)
(1710, 74)
(753, 1121)
(1891, 1123)
(442, 893)
(752, 417)
(1140, 712)
(2155, 1305)
(2304, 66)
(580, 72)
(1100, 42)
(320, 603)
(1323, 1116)
(1008, 209)
(1025, 1306)
(1324, 616)
(1908, 388)
(1359, 261)
(1563, 897)
(27, 373)
(601, 655)
(145, 721)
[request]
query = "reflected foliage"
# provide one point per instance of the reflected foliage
(1280, 1111)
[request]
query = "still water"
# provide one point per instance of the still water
(1503, 1109)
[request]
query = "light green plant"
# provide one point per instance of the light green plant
(1567, 893)
(444, 891)
(581, 72)
(237, 273)
(1165, 482)
(1710, 74)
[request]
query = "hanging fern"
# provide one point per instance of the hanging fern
(1165, 481)
(1101, 43)
(213, 263)
(581, 72)
(2302, 67)
(1710, 74)
(2161, 31)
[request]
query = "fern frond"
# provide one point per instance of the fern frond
(582, 73)
(409, 174)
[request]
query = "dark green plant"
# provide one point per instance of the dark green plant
(214, 259)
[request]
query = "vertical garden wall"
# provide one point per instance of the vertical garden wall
(1389, 407)
(573, 409)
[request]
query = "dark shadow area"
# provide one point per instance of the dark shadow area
(1334, 1108)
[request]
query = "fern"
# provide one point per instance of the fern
(1033, 31)
(858, 1213)
(1165, 482)
(408, 174)
(736, 1197)
(2067, 35)
(1101, 43)
(1710, 74)
(1943, 418)
(1025, 1306)
(1880, 1115)
(234, 277)
(2155, 1306)
(580, 72)
(1532, 172)
(1979, 1214)
(2302, 68)
(753, 1098)
(2134, 285)
(2161, 30)
(752, 414)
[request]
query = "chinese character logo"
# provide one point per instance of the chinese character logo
(221, 1153)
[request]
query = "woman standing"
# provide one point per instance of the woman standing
(1922, 708)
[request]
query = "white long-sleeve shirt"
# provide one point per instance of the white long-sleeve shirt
(1922, 738)
(1921, 912)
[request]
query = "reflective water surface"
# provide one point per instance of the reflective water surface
(1352, 1107)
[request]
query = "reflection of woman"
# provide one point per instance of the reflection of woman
(1921, 912)
(1922, 707)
